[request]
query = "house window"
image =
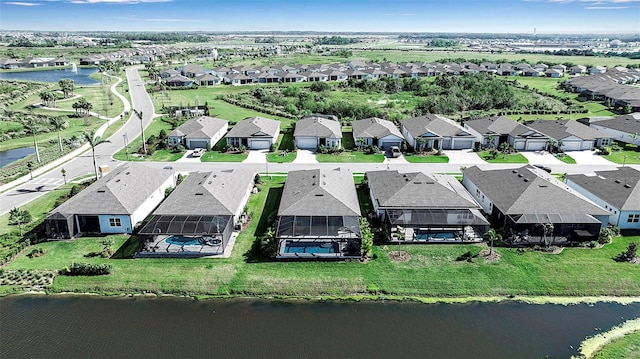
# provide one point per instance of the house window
(605, 142)
(115, 222)
(633, 218)
(477, 193)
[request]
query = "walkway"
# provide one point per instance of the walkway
(541, 158)
(589, 158)
(305, 156)
(465, 157)
(256, 156)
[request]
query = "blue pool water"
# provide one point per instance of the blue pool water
(186, 241)
(311, 247)
(426, 236)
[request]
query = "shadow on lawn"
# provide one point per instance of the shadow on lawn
(127, 249)
(267, 217)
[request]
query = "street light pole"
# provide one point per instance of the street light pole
(144, 144)
(126, 146)
(624, 160)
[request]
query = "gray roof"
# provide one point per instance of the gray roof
(319, 192)
(561, 129)
(620, 187)
(201, 127)
(251, 126)
(121, 191)
(526, 190)
(500, 125)
(374, 128)
(208, 193)
(436, 124)
(317, 126)
(417, 190)
(627, 123)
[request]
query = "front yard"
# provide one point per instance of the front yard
(425, 158)
(350, 157)
(509, 158)
(628, 155)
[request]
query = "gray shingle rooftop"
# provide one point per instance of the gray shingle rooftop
(627, 123)
(620, 187)
(201, 127)
(498, 125)
(561, 129)
(319, 192)
(254, 125)
(436, 124)
(374, 128)
(316, 126)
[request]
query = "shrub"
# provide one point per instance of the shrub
(629, 255)
(36, 252)
(86, 269)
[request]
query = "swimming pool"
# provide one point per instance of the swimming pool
(184, 241)
(432, 236)
(312, 247)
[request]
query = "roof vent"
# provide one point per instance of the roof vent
(515, 171)
(199, 194)
(617, 181)
(543, 185)
(519, 175)
(526, 180)
(430, 182)
(101, 191)
(319, 195)
(417, 182)
(627, 186)
(128, 173)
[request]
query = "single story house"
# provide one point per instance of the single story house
(571, 135)
(178, 81)
(420, 208)
(207, 80)
(199, 132)
(113, 204)
(624, 128)
(236, 79)
(554, 73)
(376, 132)
(165, 74)
(533, 206)
(501, 129)
(193, 70)
(617, 191)
(255, 133)
(319, 216)
(318, 130)
(199, 216)
(435, 131)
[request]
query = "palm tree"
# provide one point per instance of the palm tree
(421, 142)
(66, 85)
(492, 236)
(144, 144)
(551, 144)
(33, 124)
(93, 142)
(59, 123)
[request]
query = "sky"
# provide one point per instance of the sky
(472, 16)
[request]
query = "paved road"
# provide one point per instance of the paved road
(142, 102)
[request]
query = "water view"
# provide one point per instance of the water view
(80, 77)
(9, 156)
(40, 326)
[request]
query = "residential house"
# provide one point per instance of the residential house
(237, 79)
(577, 70)
(335, 75)
(199, 217)
(617, 191)
(496, 130)
(424, 208)
(529, 72)
(115, 203)
(376, 132)
(319, 216)
(570, 135)
(560, 67)
(201, 132)
(207, 80)
(317, 130)
(533, 206)
(178, 81)
(625, 128)
(291, 77)
(255, 133)
(435, 131)
(165, 74)
(506, 69)
(541, 67)
(315, 76)
(554, 73)
(597, 70)
(193, 70)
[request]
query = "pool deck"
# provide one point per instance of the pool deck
(161, 249)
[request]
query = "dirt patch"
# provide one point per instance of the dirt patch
(635, 260)
(399, 256)
(548, 250)
(488, 256)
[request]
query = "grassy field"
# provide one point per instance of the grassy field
(627, 347)
(431, 271)
(566, 159)
(510, 158)
(350, 157)
(626, 156)
(282, 156)
(413, 158)
(215, 156)
(98, 97)
(153, 129)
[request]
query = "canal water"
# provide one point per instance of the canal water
(81, 77)
(99, 327)
(9, 156)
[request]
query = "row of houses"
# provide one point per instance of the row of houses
(137, 55)
(422, 132)
(32, 63)
(319, 213)
(612, 87)
(191, 74)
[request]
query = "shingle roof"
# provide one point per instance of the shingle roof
(417, 190)
(316, 126)
(620, 187)
(498, 125)
(319, 192)
(201, 127)
(628, 123)
(436, 124)
(252, 125)
(374, 128)
(528, 190)
(121, 191)
(208, 193)
(561, 129)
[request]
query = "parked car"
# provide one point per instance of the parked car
(198, 152)
(395, 151)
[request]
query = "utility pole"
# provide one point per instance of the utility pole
(144, 144)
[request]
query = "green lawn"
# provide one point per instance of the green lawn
(414, 158)
(217, 156)
(134, 144)
(566, 159)
(280, 157)
(350, 157)
(99, 97)
(510, 158)
(627, 347)
(625, 156)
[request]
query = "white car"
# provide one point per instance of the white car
(198, 152)
(395, 151)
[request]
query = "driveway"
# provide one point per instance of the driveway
(305, 156)
(256, 156)
(188, 157)
(589, 158)
(466, 157)
(541, 158)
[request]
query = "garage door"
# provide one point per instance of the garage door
(197, 144)
(461, 145)
(572, 146)
(307, 143)
(260, 144)
(385, 145)
(536, 145)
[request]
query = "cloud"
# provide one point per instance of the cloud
(606, 7)
(122, 2)
(174, 20)
(408, 14)
(20, 3)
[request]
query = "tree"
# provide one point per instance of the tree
(360, 142)
(93, 142)
(19, 217)
(144, 144)
(504, 148)
(551, 144)
(67, 87)
(59, 123)
(629, 255)
(492, 236)
(48, 98)
(33, 125)
(421, 142)
(491, 141)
